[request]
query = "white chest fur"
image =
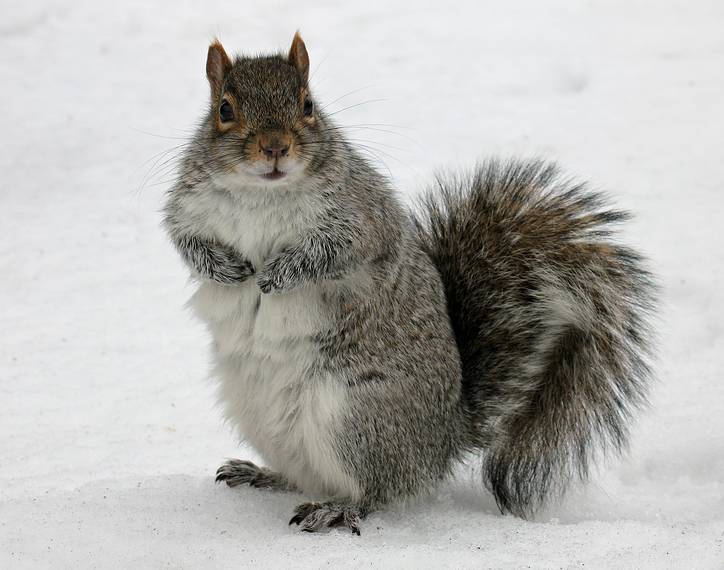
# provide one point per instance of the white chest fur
(264, 356)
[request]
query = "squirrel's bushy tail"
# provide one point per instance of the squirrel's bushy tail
(550, 316)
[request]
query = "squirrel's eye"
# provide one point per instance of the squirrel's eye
(226, 112)
(308, 107)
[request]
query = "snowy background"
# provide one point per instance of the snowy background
(108, 434)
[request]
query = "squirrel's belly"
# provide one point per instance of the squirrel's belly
(271, 388)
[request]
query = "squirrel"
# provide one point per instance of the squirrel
(364, 347)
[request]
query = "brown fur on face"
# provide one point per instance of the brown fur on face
(266, 139)
(310, 121)
(238, 121)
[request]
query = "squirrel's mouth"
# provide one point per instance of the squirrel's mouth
(275, 174)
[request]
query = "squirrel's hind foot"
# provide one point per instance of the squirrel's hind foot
(237, 472)
(320, 517)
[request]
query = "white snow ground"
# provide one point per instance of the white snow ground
(108, 435)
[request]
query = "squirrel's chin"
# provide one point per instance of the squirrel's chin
(246, 174)
(274, 175)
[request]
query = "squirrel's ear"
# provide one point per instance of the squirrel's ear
(218, 65)
(298, 56)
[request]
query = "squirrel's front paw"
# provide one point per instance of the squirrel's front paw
(240, 270)
(276, 277)
(265, 282)
(228, 268)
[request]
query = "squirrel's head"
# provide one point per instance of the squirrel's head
(263, 123)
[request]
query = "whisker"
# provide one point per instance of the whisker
(157, 135)
(356, 105)
(314, 71)
(344, 96)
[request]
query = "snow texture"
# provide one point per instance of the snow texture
(109, 436)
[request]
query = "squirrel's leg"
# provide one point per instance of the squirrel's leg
(214, 261)
(237, 472)
(315, 517)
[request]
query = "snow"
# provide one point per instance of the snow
(109, 437)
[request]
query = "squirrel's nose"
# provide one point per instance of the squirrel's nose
(274, 147)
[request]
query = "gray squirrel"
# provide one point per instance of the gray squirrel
(364, 349)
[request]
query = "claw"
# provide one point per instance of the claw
(296, 519)
(222, 474)
(320, 517)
